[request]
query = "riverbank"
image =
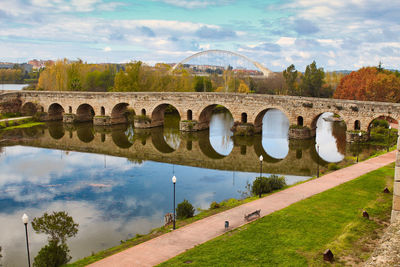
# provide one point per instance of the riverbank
(298, 235)
(178, 241)
(19, 122)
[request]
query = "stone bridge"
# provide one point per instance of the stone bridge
(195, 109)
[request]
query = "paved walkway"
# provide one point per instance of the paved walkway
(169, 245)
(16, 119)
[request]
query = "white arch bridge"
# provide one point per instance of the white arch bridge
(266, 72)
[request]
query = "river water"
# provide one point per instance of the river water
(116, 181)
(12, 86)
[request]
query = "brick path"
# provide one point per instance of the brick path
(169, 245)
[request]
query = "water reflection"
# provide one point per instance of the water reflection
(329, 143)
(110, 204)
(220, 133)
(275, 140)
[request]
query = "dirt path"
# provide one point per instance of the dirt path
(169, 245)
(16, 119)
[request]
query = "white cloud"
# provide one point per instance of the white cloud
(107, 49)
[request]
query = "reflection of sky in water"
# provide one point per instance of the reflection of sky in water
(328, 150)
(220, 133)
(275, 129)
(111, 198)
(172, 137)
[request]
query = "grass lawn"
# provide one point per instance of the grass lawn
(24, 123)
(299, 234)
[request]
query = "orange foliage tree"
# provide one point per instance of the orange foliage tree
(370, 84)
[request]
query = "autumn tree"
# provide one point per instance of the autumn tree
(370, 84)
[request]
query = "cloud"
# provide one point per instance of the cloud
(107, 49)
(192, 4)
(303, 26)
(206, 32)
(147, 31)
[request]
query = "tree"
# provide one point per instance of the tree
(312, 81)
(202, 84)
(184, 210)
(59, 226)
(52, 255)
(290, 75)
(369, 83)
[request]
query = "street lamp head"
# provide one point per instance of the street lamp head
(174, 179)
(261, 158)
(359, 134)
(25, 218)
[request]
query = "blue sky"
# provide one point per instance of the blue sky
(338, 34)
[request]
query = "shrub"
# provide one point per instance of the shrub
(214, 205)
(276, 182)
(263, 185)
(333, 167)
(184, 210)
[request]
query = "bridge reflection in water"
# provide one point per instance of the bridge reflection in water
(219, 151)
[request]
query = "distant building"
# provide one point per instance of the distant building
(38, 64)
(6, 65)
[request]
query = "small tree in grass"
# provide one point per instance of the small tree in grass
(263, 185)
(184, 210)
(52, 255)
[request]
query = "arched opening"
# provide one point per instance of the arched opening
(330, 137)
(274, 125)
(383, 129)
(102, 111)
(42, 109)
(158, 114)
(168, 116)
(118, 113)
(28, 109)
(69, 109)
(357, 125)
(244, 117)
(189, 115)
(219, 120)
(85, 132)
(143, 112)
(300, 121)
(56, 112)
(85, 112)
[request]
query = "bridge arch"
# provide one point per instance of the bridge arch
(157, 116)
(266, 72)
(118, 113)
(388, 118)
(258, 121)
(84, 113)
(207, 112)
(30, 108)
(55, 112)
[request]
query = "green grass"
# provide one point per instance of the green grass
(24, 123)
(300, 233)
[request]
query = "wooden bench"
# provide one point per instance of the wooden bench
(252, 215)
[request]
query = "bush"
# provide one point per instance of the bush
(184, 210)
(214, 205)
(276, 182)
(333, 167)
(381, 123)
(263, 185)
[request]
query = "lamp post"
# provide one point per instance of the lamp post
(390, 127)
(261, 160)
(358, 144)
(25, 220)
(174, 182)
(317, 161)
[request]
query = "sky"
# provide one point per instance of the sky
(337, 34)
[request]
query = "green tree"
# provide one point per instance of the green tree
(184, 210)
(290, 75)
(59, 226)
(312, 81)
(202, 84)
(52, 255)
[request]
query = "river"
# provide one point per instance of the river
(12, 86)
(116, 181)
